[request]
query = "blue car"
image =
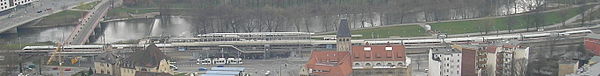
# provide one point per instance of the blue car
(202, 69)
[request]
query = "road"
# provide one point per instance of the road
(81, 34)
(29, 13)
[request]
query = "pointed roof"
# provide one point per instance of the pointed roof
(107, 57)
(150, 56)
(343, 30)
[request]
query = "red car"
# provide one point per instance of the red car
(67, 69)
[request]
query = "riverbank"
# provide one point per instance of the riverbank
(489, 24)
(508, 23)
(63, 18)
(87, 6)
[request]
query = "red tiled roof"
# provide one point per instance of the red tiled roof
(490, 49)
(338, 63)
(509, 46)
(379, 53)
(592, 45)
(149, 57)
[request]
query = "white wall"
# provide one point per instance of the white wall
(491, 64)
(23, 2)
(5, 5)
(449, 64)
(434, 66)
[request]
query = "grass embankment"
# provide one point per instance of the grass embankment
(386, 32)
(87, 6)
(505, 23)
(20, 46)
(592, 16)
(66, 17)
(121, 12)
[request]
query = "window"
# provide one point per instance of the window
(388, 48)
(356, 64)
(367, 48)
(368, 64)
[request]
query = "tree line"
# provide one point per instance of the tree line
(323, 15)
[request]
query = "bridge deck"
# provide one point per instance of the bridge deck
(83, 31)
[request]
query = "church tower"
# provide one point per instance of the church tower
(343, 37)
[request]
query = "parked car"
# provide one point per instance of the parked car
(202, 69)
(67, 69)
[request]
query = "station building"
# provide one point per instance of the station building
(357, 60)
(149, 61)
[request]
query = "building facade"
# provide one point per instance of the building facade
(9, 4)
(444, 62)
(474, 59)
(379, 56)
(507, 60)
(6, 4)
(380, 60)
(357, 60)
(23, 2)
(106, 64)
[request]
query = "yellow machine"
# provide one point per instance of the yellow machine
(56, 52)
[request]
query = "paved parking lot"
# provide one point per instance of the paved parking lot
(255, 67)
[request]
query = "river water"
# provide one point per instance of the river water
(183, 27)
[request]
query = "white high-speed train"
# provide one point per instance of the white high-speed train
(528, 36)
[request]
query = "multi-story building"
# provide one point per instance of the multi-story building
(379, 60)
(150, 60)
(507, 60)
(444, 62)
(22, 2)
(6, 4)
(9, 4)
(474, 59)
(357, 60)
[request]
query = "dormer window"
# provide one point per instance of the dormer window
(388, 48)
